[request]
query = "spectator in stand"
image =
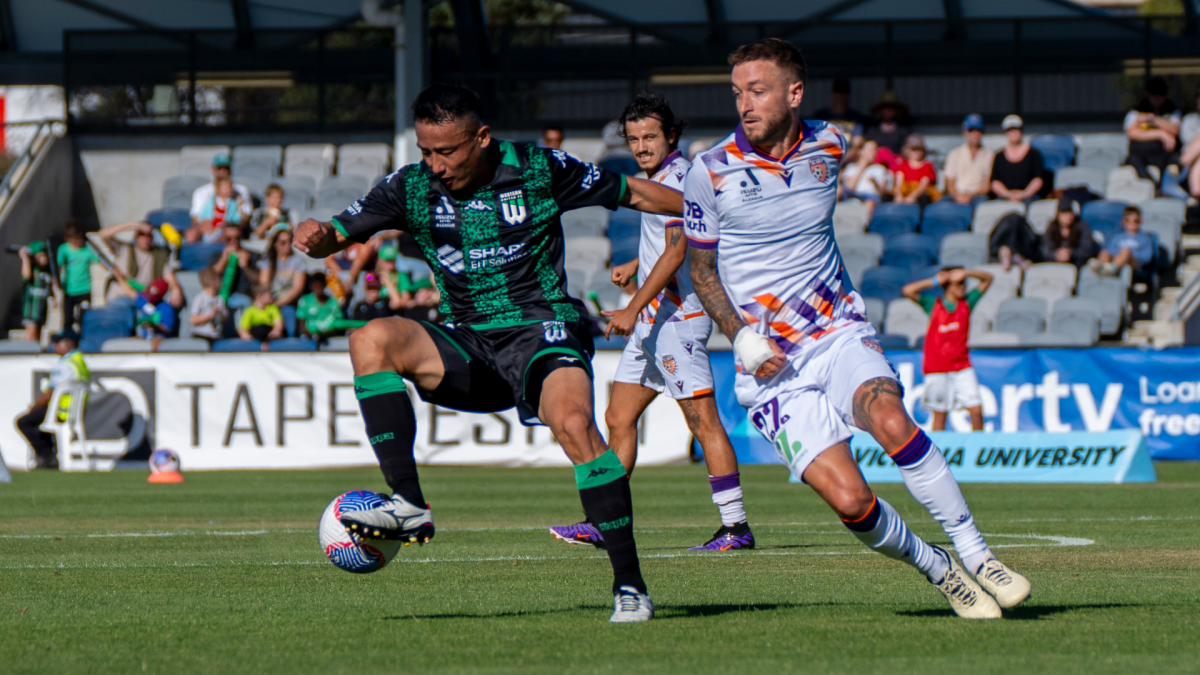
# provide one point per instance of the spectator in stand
(154, 317)
(317, 310)
(374, 305)
(866, 180)
(915, 176)
(69, 369)
(1153, 127)
(552, 136)
(284, 272)
(1068, 238)
(261, 321)
(141, 261)
(208, 308)
(697, 147)
(1131, 248)
(1189, 127)
(37, 290)
(75, 260)
(1017, 170)
(969, 166)
(270, 215)
(849, 121)
(204, 194)
(236, 278)
(225, 206)
(891, 129)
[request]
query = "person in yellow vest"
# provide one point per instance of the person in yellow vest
(70, 368)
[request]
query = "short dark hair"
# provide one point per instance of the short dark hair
(841, 85)
(949, 268)
(273, 187)
(781, 52)
(445, 103)
(1157, 86)
(552, 126)
(72, 229)
(314, 276)
(1132, 209)
(653, 105)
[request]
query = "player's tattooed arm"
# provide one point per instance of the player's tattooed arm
(879, 411)
(650, 197)
(707, 283)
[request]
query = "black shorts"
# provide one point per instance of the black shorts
(500, 368)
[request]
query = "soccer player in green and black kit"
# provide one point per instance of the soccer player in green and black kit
(486, 215)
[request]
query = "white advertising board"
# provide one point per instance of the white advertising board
(282, 411)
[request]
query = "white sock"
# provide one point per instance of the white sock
(930, 482)
(883, 530)
(730, 504)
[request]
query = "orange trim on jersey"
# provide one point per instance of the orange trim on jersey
(874, 500)
(693, 315)
(702, 392)
(905, 443)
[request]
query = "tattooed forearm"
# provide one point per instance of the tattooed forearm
(712, 294)
(870, 400)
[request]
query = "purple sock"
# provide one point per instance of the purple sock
(727, 495)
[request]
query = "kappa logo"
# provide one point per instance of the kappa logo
(872, 344)
(451, 258)
(555, 331)
(479, 205)
(668, 362)
(445, 214)
(819, 169)
(512, 207)
(561, 157)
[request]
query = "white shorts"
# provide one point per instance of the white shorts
(809, 407)
(951, 391)
(669, 357)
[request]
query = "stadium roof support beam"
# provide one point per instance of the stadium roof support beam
(1192, 14)
(956, 29)
(820, 17)
(718, 33)
(8, 32)
(113, 14)
(241, 19)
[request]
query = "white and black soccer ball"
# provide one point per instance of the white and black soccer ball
(164, 461)
(340, 548)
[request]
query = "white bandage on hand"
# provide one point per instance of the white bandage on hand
(752, 349)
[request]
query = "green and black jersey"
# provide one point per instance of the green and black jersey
(497, 254)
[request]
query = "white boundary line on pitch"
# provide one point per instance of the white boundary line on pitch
(1055, 541)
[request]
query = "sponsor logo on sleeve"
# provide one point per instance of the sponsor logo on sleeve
(355, 208)
(589, 179)
(693, 217)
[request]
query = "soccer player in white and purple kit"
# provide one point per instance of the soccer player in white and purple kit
(668, 334)
(758, 213)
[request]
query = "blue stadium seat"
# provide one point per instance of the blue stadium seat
(1058, 150)
(615, 343)
(890, 227)
(1104, 216)
(104, 323)
(179, 219)
(926, 273)
(237, 345)
(624, 250)
(194, 257)
(293, 345)
(910, 251)
(892, 341)
(624, 223)
(623, 165)
(909, 214)
(884, 282)
(944, 217)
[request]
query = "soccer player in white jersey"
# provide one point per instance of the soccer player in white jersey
(668, 331)
(758, 213)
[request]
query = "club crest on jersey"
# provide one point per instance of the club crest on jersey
(872, 344)
(668, 362)
(512, 207)
(555, 331)
(819, 169)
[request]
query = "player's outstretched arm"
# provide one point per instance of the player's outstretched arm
(758, 353)
(650, 197)
(318, 240)
(912, 290)
(985, 279)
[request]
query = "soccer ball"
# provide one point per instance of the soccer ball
(164, 461)
(340, 548)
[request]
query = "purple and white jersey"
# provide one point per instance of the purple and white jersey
(678, 299)
(771, 223)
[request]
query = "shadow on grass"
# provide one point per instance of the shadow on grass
(854, 545)
(661, 612)
(1028, 613)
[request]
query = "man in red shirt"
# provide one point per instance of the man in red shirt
(950, 382)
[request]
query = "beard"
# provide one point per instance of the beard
(769, 129)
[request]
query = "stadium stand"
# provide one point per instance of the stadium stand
(911, 251)
(884, 282)
(876, 311)
(964, 249)
(369, 160)
(906, 318)
(850, 215)
(236, 345)
(11, 346)
(593, 221)
(312, 160)
(1077, 317)
(338, 191)
(196, 160)
(262, 161)
(1091, 177)
(299, 191)
(1104, 216)
(1023, 316)
(1058, 150)
(891, 219)
(125, 345)
(336, 344)
(987, 214)
(293, 344)
(177, 191)
(1049, 281)
(177, 218)
(995, 339)
(1041, 213)
(182, 344)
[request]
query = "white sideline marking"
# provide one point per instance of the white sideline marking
(1053, 539)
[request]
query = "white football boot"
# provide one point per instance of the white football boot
(1009, 588)
(965, 596)
(397, 520)
(629, 606)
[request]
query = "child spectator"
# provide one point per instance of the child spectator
(208, 308)
(271, 214)
(1068, 239)
(915, 176)
(317, 310)
(154, 317)
(950, 381)
(1132, 248)
(261, 321)
(866, 180)
(39, 284)
(225, 207)
(75, 260)
(374, 305)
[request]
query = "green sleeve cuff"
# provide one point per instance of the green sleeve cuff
(624, 189)
(374, 384)
(600, 471)
(340, 228)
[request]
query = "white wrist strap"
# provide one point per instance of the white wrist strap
(752, 349)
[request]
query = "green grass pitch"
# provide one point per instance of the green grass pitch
(229, 578)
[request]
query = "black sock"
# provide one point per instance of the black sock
(391, 428)
(604, 491)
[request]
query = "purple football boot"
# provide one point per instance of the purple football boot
(729, 538)
(579, 533)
